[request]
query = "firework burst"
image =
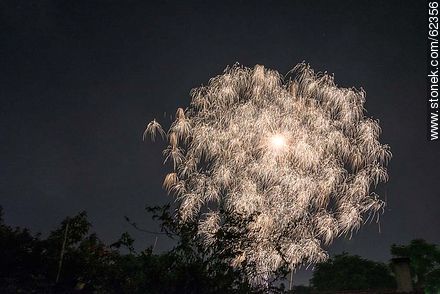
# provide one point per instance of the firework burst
(297, 159)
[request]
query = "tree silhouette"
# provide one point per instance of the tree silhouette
(31, 264)
(351, 272)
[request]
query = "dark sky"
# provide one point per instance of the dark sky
(79, 80)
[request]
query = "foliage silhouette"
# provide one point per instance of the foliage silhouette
(351, 272)
(30, 263)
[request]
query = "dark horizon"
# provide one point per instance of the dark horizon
(80, 80)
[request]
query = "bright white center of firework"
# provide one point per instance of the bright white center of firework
(277, 142)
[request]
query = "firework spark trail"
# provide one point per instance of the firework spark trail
(298, 155)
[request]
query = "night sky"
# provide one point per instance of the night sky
(79, 80)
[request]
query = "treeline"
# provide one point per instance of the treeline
(73, 259)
